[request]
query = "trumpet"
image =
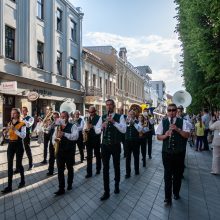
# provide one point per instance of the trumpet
(47, 118)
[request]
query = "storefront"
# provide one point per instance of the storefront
(16, 94)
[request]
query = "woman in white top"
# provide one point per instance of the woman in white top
(216, 147)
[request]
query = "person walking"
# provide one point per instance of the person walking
(200, 132)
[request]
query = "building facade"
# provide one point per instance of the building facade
(159, 87)
(129, 81)
(99, 81)
(40, 50)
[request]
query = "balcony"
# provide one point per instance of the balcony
(93, 91)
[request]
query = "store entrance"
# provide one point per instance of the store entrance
(8, 104)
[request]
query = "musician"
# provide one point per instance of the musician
(132, 143)
(121, 112)
(56, 116)
(172, 131)
(93, 141)
(17, 132)
(29, 121)
(80, 125)
(143, 138)
(149, 135)
(67, 134)
(47, 133)
(112, 125)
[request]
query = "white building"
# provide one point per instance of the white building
(99, 81)
(40, 50)
(129, 81)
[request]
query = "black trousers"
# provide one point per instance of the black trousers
(107, 151)
(65, 159)
(51, 157)
(142, 144)
(79, 143)
(93, 145)
(132, 147)
(149, 144)
(46, 142)
(27, 148)
(205, 139)
(15, 148)
(173, 171)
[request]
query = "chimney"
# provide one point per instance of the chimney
(122, 53)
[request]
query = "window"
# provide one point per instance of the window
(86, 79)
(40, 55)
(9, 42)
(59, 63)
(100, 82)
(121, 82)
(73, 30)
(94, 80)
(73, 69)
(59, 20)
(40, 9)
(106, 86)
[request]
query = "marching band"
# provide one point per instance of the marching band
(102, 136)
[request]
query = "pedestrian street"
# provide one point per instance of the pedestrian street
(141, 196)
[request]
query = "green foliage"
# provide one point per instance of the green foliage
(199, 30)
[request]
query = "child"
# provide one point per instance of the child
(200, 131)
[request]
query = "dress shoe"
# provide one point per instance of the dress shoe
(167, 202)
(150, 157)
(69, 188)
(6, 190)
(127, 176)
(117, 190)
(176, 197)
(60, 192)
(50, 174)
(137, 173)
(21, 185)
(31, 167)
(105, 196)
(43, 162)
(98, 172)
(88, 176)
(16, 171)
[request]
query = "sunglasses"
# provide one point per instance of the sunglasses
(172, 110)
(91, 112)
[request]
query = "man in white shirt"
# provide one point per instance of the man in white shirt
(66, 135)
(206, 119)
(172, 131)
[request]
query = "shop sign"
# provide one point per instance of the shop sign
(9, 86)
(43, 92)
(32, 96)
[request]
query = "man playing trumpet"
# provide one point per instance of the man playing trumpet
(93, 129)
(66, 134)
(17, 132)
(132, 143)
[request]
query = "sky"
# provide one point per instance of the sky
(145, 27)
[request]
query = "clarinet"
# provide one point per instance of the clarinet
(171, 140)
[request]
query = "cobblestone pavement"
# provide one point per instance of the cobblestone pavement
(141, 196)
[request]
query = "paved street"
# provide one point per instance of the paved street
(141, 197)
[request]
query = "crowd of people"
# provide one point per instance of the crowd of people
(102, 137)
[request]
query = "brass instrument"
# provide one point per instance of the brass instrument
(48, 118)
(69, 107)
(145, 124)
(86, 129)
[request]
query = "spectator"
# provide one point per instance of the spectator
(200, 132)
(216, 147)
(205, 120)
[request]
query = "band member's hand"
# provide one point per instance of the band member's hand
(60, 134)
(104, 125)
(168, 133)
(90, 126)
(173, 127)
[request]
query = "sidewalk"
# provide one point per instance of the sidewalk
(141, 197)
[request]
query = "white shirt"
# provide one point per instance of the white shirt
(121, 126)
(138, 126)
(159, 130)
(22, 133)
(81, 125)
(28, 122)
(73, 136)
